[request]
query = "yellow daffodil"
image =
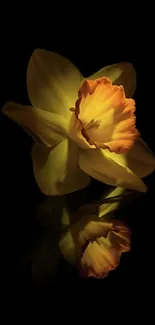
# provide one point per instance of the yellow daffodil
(82, 127)
(95, 245)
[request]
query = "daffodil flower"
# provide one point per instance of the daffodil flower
(82, 127)
(95, 246)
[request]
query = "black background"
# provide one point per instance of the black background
(89, 50)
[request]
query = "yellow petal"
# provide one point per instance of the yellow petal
(113, 200)
(43, 126)
(120, 74)
(75, 133)
(91, 228)
(100, 165)
(95, 260)
(68, 247)
(120, 240)
(103, 254)
(52, 82)
(56, 170)
(140, 159)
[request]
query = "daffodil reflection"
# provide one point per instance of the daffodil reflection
(94, 244)
(82, 127)
(88, 236)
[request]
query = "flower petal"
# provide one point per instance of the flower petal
(100, 165)
(103, 254)
(52, 82)
(120, 74)
(140, 159)
(43, 126)
(92, 228)
(99, 260)
(56, 170)
(111, 200)
(114, 199)
(68, 247)
(121, 240)
(75, 133)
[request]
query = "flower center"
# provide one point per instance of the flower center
(104, 117)
(92, 124)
